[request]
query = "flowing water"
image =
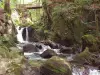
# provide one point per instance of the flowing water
(19, 34)
(27, 38)
(36, 55)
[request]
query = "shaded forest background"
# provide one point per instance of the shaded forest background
(70, 23)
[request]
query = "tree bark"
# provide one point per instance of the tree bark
(7, 14)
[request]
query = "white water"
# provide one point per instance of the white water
(27, 35)
(78, 71)
(19, 35)
(36, 55)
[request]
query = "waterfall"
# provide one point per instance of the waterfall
(19, 34)
(27, 35)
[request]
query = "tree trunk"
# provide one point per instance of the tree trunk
(7, 13)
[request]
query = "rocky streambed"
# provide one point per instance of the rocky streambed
(49, 58)
(41, 55)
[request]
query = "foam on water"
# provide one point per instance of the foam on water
(94, 72)
(19, 34)
(91, 72)
(36, 55)
(85, 71)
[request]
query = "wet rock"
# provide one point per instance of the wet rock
(55, 66)
(24, 34)
(99, 67)
(32, 36)
(48, 54)
(51, 44)
(29, 48)
(65, 42)
(39, 46)
(66, 50)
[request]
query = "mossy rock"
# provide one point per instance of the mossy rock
(48, 54)
(89, 39)
(83, 57)
(87, 57)
(36, 63)
(56, 66)
(14, 63)
(91, 42)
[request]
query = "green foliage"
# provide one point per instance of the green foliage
(14, 68)
(7, 40)
(89, 39)
(66, 21)
(6, 52)
(13, 3)
(12, 61)
(83, 2)
(2, 4)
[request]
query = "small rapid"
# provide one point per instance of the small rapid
(36, 55)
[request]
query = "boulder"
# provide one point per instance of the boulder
(24, 34)
(48, 54)
(55, 66)
(88, 58)
(66, 50)
(91, 42)
(83, 57)
(29, 48)
(51, 44)
(38, 46)
(32, 36)
(31, 33)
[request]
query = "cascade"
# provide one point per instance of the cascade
(36, 55)
(27, 35)
(19, 34)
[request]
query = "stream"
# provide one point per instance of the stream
(76, 70)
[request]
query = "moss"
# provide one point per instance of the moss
(83, 57)
(83, 2)
(89, 39)
(36, 63)
(12, 61)
(7, 40)
(14, 68)
(86, 57)
(66, 21)
(91, 42)
(57, 66)
(4, 51)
